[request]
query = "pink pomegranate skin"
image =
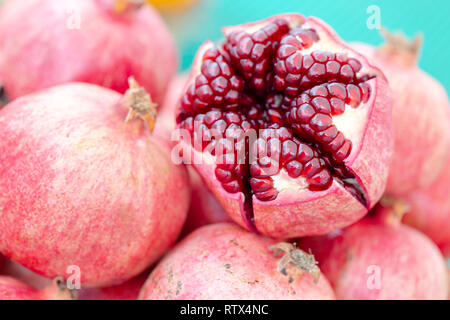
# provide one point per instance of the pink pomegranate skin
(298, 211)
(19, 272)
(125, 291)
(223, 261)
(430, 210)
(204, 208)
(79, 186)
(13, 289)
(420, 114)
(86, 41)
(410, 265)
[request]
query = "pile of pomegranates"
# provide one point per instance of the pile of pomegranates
(288, 164)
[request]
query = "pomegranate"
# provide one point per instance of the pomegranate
(13, 289)
(48, 42)
(81, 187)
(420, 114)
(379, 258)
(125, 291)
(223, 261)
(430, 210)
(288, 126)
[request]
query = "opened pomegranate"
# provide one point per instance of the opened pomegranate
(379, 258)
(13, 289)
(48, 42)
(80, 186)
(430, 210)
(223, 261)
(288, 126)
(420, 114)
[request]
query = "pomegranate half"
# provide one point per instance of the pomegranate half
(48, 42)
(288, 126)
(223, 261)
(81, 187)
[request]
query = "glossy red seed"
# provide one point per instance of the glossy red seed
(294, 169)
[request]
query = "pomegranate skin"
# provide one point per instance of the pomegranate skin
(86, 41)
(80, 187)
(19, 272)
(223, 261)
(420, 114)
(297, 211)
(430, 210)
(13, 289)
(410, 266)
(204, 208)
(125, 291)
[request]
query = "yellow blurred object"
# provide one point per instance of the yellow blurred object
(171, 6)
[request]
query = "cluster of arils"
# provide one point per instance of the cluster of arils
(274, 83)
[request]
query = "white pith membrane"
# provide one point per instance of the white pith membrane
(352, 123)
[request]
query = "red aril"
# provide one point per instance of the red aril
(13, 289)
(420, 115)
(291, 126)
(379, 258)
(81, 187)
(223, 261)
(48, 42)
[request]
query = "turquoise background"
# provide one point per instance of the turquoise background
(347, 17)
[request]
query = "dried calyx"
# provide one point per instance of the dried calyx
(400, 48)
(264, 101)
(294, 257)
(141, 106)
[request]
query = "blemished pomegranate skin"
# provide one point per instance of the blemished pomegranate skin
(378, 259)
(224, 261)
(81, 187)
(430, 210)
(292, 77)
(421, 117)
(86, 41)
(13, 289)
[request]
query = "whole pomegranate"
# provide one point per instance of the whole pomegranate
(379, 258)
(420, 114)
(82, 187)
(223, 261)
(430, 210)
(48, 42)
(288, 126)
(204, 208)
(13, 289)
(125, 291)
